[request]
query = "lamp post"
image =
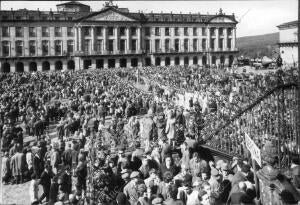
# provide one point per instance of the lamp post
(298, 91)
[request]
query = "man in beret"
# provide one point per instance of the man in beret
(131, 189)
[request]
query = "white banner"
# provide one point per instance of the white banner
(254, 150)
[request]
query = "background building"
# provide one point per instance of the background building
(73, 37)
(288, 42)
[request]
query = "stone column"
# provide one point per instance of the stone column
(117, 65)
(181, 60)
(128, 62)
(65, 65)
(93, 40)
(172, 38)
(80, 39)
(12, 67)
(233, 38)
(117, 40)
(52, 65)
(52, 42)
(140, 62)
(139, 41)
(105, 63)
(225, 39)
(76, 39)
(162, 61)
(128, 40)
(64, 39)
(93, 64)
(152, 39)
(26, 66)
(200, 60)
(26, 42)
(208, 39)
(105, 40)
(13, 41)
(226, 61)
(191, 61)
(39, 41)
(172, 60)
(217, 39)
(39, 66)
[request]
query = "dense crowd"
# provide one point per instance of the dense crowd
(99, 115)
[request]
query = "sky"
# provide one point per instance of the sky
(255, 17)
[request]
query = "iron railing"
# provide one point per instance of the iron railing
(272, 117)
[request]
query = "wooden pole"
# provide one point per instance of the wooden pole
(298, 90)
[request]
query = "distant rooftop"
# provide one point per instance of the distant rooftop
(288, 24)
(72, 3)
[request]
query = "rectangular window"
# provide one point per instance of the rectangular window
(195, 33)
(167, 31)
(157, 33)
(147, 31)
(57, 47)
(186, 31)
(176, 31)
(19, 32)
(86, 31)
(195, 44)
(167, 45)
(186, 45)
(70, 32)
(229, 31)
(147, 45)
(5, 31)
(122, 45)
(203, 44)
(31, 18)
(123, 31)
(87, 46)
(221, 31)
(212, 31)
(212, 44)
(5, 48)
(31, 48)
(99, 45)
(229, 43)
(45, 48)
(111, 45)
(204, 33)
(45, 31)
(32, 32)
(110, 31)
(221, 43)
(19, 48)
(57, 31)
(70, 46)
(134, 45)
(133, 31)
(99, 31)
(157, 45)
(176, 44)
(4, 17)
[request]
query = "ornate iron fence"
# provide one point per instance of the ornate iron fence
(271, 117)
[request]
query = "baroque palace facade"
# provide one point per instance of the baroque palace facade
(73, 37)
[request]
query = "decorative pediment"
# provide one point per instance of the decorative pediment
(222, 19)
(109, 15)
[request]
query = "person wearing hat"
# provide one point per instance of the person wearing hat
(131, 189)
(215, 183)
(152, 178)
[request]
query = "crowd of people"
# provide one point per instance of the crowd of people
(100, 115)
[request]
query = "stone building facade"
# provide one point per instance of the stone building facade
(73, 37)
(288, 42)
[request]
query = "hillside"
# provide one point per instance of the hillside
(258, 46)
